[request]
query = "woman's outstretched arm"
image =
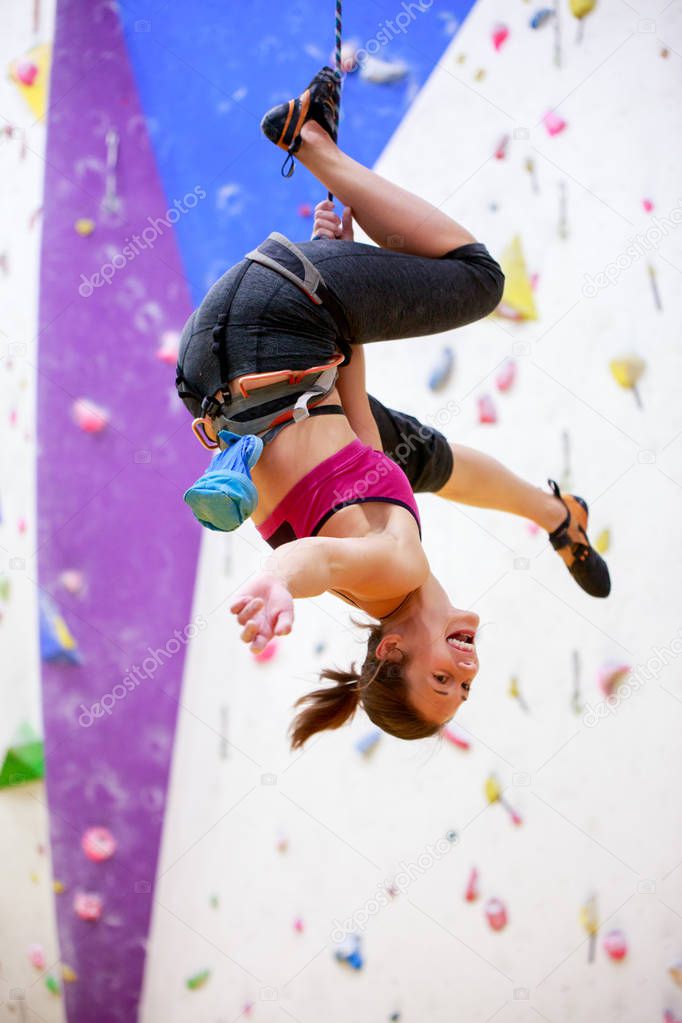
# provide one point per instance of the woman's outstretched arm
(372, 567)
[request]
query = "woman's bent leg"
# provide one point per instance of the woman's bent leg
(392, 217)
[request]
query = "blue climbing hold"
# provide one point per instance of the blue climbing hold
(225, 496)
(442, 371)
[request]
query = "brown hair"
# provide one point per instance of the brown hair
(379, 687)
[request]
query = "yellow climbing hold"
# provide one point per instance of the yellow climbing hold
(514, 690)
(493, 791)
(69, 976)
(581, 8)
(59, 887)
(588, 916)
(84, 226)
(31, 74)
(603, 541)
(628, 370)
(517, 302)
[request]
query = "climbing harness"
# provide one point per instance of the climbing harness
(246, 414)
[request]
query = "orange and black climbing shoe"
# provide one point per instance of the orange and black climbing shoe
(570, 538)
(320, 103)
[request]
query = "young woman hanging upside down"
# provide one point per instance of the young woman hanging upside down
(336, 493)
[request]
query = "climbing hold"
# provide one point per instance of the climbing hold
(305, 209)
(56, 641)
(88, 905)
(98, 844)
(88, 416)
(319, 647)
(499, 36)
(24, 759)
(36, 956)
(651, 270)
(167, 351)
(471, 893)
(72, 581)
(442, 371)
(58, 887)
(52, 985)
(84, 226)
(675, 972)
(501, 151)
(615, 945)
(451, 836)
(382, 72)
(515, 693)
(350, 953)
(603, 541)
(282, 843)
(496, 914)
(627, 372)
(366, 744)
(581, 8)
(454, 735)
(648, 205)
(590, 923)
(267, 653)
(26, 71)
(69, 976)
(553, 122)
(349, 55)
(479, 75)
(506, 375)
(299, 926)
(197, 980)
(529, 166)
(30, 74)
(494, 794)
(541, 17)
(611, 676)
(487, 412)
(517, 302)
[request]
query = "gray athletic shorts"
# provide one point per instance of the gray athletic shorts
(385, 295)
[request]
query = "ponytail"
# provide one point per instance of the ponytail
(379, 687)
(326, 708)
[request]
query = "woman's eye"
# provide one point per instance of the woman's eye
(441, 678)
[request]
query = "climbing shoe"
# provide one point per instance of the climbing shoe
(570, 539)
(320, 103)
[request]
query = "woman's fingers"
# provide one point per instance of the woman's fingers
(249, 610)
(325, 204)
(285, 620)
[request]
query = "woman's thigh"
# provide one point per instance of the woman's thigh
(272, 324)
(388, 295)
(422, 452)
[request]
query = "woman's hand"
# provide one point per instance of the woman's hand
(265, 607)
(328, 225)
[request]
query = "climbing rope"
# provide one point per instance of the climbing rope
(338, 25)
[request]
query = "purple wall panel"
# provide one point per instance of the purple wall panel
(110, 505)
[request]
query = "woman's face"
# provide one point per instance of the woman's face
(443, 665)
(439, 642)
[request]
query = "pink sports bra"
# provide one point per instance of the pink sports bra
(357, 474)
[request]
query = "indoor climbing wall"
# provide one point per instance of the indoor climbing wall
(526, 865)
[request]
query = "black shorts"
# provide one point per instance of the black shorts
(422, 452)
